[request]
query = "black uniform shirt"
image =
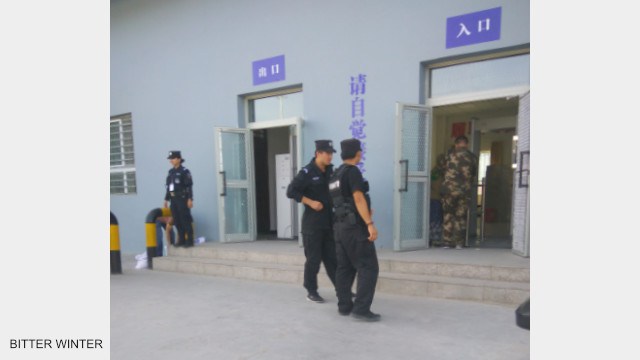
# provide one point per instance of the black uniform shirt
(350, 182)
(179, 181)
(312, 183)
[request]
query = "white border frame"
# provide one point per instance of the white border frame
(477, 96)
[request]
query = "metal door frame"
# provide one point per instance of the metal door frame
(472, 213)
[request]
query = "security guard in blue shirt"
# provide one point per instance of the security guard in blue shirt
(310, 187)
(179, 186)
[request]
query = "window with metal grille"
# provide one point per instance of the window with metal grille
(123, 171)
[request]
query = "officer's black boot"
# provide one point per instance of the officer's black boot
(369, 316)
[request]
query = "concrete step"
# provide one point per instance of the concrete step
(446, 287)
(222, 253)
(423, 267)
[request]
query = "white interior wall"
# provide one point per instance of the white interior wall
(506, 139)
(277, 143)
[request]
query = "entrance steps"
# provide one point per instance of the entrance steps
(495, 276)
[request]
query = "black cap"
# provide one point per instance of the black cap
(350, 148)
(174, 154)
(325, 145)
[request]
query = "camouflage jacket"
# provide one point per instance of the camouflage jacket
(460, 171)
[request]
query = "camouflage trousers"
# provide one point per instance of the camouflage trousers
(455, 219)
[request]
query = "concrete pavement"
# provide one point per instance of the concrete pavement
(162, 315)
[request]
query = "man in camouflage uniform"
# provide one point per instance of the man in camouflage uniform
(460, 171)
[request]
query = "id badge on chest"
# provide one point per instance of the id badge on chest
(171, 187)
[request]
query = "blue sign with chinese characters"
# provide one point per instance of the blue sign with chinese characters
(474, 28)
(358, 90)
(268, 70)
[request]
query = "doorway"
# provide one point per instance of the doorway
(273, 169)
(491, 127)
(244, 175)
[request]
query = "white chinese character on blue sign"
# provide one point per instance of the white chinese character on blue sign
(473, 28)
(268, 70)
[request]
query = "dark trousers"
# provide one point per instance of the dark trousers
(319, 246)
(182, 220)
(356, 257)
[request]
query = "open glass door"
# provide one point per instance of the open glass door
(412, 182)
(236, 205)
(295, 144)
(520, 216)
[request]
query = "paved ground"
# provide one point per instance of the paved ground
(161, 315)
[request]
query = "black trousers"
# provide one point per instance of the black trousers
(356, 257)
(182, 220)
(319, 246)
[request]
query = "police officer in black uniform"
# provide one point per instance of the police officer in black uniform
(180, 192)
(310, 187)
(355, 233)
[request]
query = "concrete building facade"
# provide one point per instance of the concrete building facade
(232, 84)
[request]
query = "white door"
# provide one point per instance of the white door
(412, 182)
(236, 186)
(520, 215)
(284, 205)
(295, 144)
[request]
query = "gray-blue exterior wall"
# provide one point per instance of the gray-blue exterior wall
(179, 66)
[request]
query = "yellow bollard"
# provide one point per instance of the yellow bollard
(116, 262)
(151, 233)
